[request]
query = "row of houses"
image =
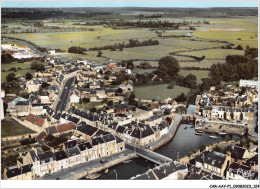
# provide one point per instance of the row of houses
(37, 163)
(240, 164)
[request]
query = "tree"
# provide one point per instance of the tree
(110, 103)
(10, 77)
(167, 66)
(171, 85)
(239, 47)
(38, 66)
(99, 53)
(119, 91)
(85, 100)
(45, 85)
(28, 76)
(11, 87)
(181, 98)
(93, 110)
(130, 65)
(167, 112)
(77, 50)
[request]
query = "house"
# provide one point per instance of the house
(74, 98)
(87, 131)
(36, 123)
(12, 104)
(168, 171)
(15, 173)
(252, 162)
(128, 87)
(74, 156)
(199, 159)
(47, 163)
(120, 108)
(62, 161)
(216, 162)
(44, 99)
(66, 127)
(33, 86)
(239, 153)
(70, 144)
(87, 152)
(120, 144)
(99, 147)
(111, 146)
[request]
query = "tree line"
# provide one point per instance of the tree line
(132, 43)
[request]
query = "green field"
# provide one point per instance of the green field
(222, 29)
(161, 91)
(142, 71)
(12, 128)
(214, 53)
(200, 74)
(25, 68)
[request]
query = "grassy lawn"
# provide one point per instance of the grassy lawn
(88, 106)
(200, 74)
(25, 68)
(214, 53)
(11, 128)
(161, 91)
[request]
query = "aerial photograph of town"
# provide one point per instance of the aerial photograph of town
(129, 90)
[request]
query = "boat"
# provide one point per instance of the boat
(213, 136)
(197, 133)
(223, 133)
(127, 161)
(106, 171)
(93, 176)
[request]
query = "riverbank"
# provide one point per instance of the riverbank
(186, 159)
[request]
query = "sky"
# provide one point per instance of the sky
(126, 3)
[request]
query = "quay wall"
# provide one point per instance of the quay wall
(103, 167)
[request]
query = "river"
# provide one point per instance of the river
(184, 142)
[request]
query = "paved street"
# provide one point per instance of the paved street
(77, 169)
(64, 97)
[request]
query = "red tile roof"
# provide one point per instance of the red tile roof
(41, 136)
(35, 120)
(66, 127)
(111, 66)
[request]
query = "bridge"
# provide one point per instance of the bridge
(149, 155)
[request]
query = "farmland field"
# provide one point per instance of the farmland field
(141, 71)
(214, 53)
(161, 91)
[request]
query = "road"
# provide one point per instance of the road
(26, 44)
(77, 169)
(64, 97)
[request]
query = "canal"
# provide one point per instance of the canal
(184, 142)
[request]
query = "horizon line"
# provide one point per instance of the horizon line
(130, 3)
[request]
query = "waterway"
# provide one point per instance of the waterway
(184, 142)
